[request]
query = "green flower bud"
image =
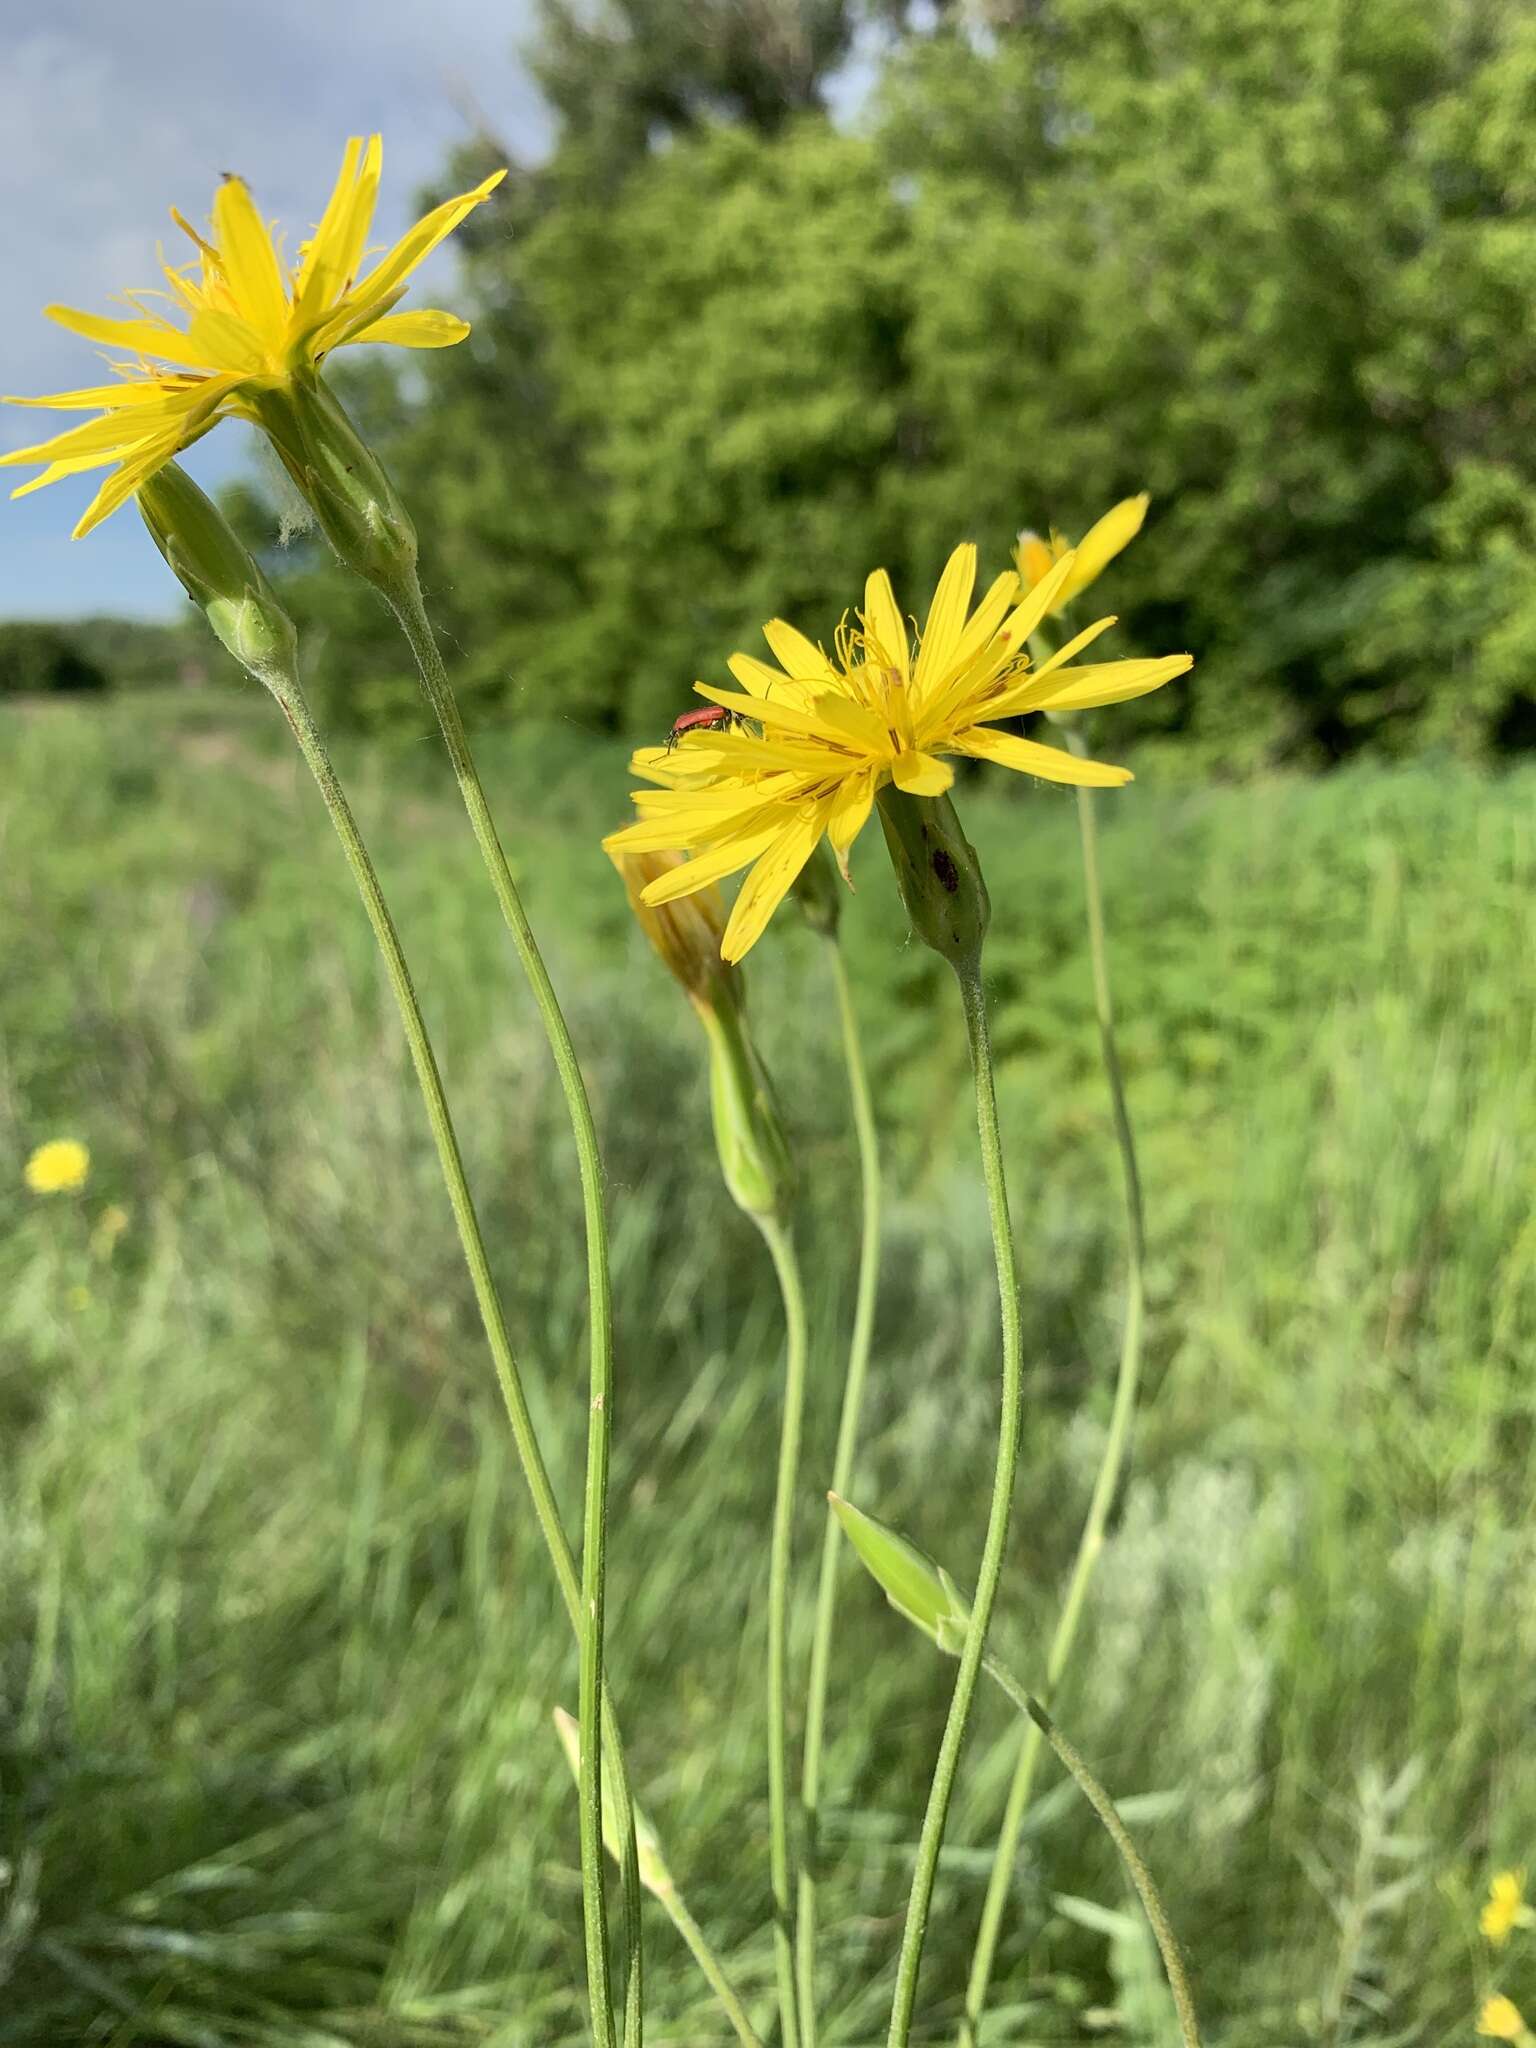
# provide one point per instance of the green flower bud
(754, 1152)
(338, 475)
(914, 1585)
(654, 1874)
(937, 873)
(218, 573)
(816, 890)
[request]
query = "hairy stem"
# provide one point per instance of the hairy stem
(973, 999)
(1116, 1442)
(583, 1599)
(842, 1475)
(786, 1265)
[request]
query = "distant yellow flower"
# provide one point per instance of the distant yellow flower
(1500, 2020)
(57, 1168)
(1506, 1908)
(813, 742)
(1095, 551)
(253, 321)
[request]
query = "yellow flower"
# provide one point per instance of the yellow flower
(1095, 551)
(57, 1168)
(814, 741)
(1500, 2020)
(109, 1227)
(1506, 1908)
(252, 321)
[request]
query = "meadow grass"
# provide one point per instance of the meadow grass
(278, 1642)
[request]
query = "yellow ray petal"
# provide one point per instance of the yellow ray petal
(122, 483)
(851, 805)
(921, 774)
(1103, 541)
(143, 337)
(1037, 603)
(885, 623)
(713, 865)
(1030, 758)
(418, 242)
(795, 654)
(325, 253)
(249, 262)
(986, 619)
(946, 617)
(770, 713)
(113, 397)
(1101, 682)
(425, 329)
(770, 880)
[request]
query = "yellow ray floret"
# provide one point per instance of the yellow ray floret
(815, 739)
(245, 319)
(1095, 551)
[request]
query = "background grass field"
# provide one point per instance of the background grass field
(277, 1641)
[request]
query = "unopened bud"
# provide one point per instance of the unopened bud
(754, 1152)
(684, 933)
(938, 874)
(218, 572)
(654, 1874)
(340, 478)
(914, 1585)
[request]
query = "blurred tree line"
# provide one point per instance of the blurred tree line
(1271, 260)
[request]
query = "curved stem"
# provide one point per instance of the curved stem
(973, 999)
(1116, 1442)
(781, 1246)
(1119, 1834)
(471, 1238)
(709, 1964)
(406, 601)
(842, 1474)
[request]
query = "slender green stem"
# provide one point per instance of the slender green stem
(842, 1474)
(709, 1964)
(1119, 1834)
(487, 1296)
(786, 1265)
(406, 601)
(1116, 1442)
(974, 1001)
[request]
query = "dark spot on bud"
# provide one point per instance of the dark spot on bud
(948, 874)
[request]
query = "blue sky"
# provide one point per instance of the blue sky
(110, 114)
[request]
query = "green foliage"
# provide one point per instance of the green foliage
(1272, 262)
(277, 1640)
(38, 660)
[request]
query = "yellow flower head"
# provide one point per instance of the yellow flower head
(812, 742)
(686, 934)
(249, 320)
(1506, 1908)
(1095, 551)
(57, 1168)
(1500, 2020)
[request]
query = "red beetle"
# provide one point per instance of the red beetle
(705, 718)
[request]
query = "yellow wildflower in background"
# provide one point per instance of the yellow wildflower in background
(815, 740)
(250, 320)
(57, 1168)
(1095, 551)
(1506, 1908)
(1501, 2020)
